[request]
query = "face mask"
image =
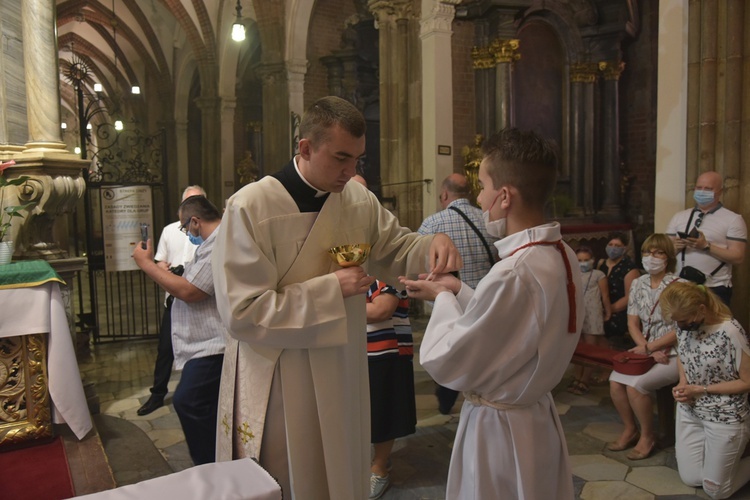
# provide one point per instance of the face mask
(586, 266)
(653, 265)
(690, 327)
(195, 240)
(702, 197)
(614, 252)
(496, 228)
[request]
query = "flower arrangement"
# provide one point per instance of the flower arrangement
(6, 216)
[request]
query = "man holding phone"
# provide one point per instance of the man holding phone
(709, 237)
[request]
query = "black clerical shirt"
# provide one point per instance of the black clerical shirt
(303, 195)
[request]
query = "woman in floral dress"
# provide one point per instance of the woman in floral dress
(713, 424)
(654, 336)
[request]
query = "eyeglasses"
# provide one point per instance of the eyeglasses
(184, 227)
(655, 253)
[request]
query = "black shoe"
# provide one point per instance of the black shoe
(151, 404)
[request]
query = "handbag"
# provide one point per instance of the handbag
(690, 273)
(630, 363)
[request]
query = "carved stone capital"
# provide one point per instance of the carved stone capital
(439, 19)
(273, 73)
(505, 51)
(611, 70)
(584, 72)
(389, 11)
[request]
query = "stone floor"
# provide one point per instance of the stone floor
(123, 371)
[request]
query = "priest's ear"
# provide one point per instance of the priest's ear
(305, 149)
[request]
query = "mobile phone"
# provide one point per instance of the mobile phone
(144, 234)
(682, 234)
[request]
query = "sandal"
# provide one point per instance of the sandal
(572, 387)
(580, 389)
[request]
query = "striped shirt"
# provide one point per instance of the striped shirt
(468, 243)
(381, 336)
(197, 331)
(402, 325)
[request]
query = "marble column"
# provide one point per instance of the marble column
(484, 87)
(277, 136)
(610, 140)
(437, 89)
(505, 53)
(582, 77)
(42, 73)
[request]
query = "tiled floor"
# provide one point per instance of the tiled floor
(123, 371)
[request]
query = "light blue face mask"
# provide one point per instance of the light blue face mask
(195, 240)
(586, 266)
(702, 197)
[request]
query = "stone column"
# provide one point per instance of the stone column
(277, 137)
(718, 112)
(505, 53)
(228, 161)
(583, 77)
(392, 21)
(610, 130)
(437, 87)
(41, 71)
(210, 130)
(484, 86)
(296, 71)
(335, 75)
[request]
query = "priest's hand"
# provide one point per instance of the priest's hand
(354, 281)
(444, 256)
(425, 289)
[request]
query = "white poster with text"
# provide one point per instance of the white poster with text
(124, 209)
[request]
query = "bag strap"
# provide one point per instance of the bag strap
(687, 226)
(648, 330)
(479, 233)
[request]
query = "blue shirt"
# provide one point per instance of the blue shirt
(469, 245)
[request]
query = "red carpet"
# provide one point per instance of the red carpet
(38, 472)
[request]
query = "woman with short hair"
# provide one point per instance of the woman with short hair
(654, 336)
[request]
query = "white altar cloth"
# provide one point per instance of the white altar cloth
(40, 309)
(236, 480)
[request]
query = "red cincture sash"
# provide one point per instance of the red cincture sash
(571, 286)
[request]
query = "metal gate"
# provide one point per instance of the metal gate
(119, 305)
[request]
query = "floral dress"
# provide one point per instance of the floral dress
(617, 325)
(709, 356)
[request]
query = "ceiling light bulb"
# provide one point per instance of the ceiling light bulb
(98, 87)
(238, 31)
(118, 125)
(135, 89)
(63, 125)
(77, 150)
(88, 126)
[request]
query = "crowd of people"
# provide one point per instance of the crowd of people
(307, 366)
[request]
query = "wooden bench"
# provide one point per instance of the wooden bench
(601, 357)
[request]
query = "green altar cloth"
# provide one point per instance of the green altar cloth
(27, 273)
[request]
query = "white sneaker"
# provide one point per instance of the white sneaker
(378, 485)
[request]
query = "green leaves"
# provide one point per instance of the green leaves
(13, 182)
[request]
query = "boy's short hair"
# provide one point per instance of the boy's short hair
(524, 160)
(327, 112)
(199, 206)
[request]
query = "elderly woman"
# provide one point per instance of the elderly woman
(632, 394)
(712, 427)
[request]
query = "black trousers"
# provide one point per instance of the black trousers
(164, 354)
(723, 292)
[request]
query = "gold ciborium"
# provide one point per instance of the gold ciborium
(350, 255)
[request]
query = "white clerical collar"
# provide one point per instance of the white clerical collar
(318, 192)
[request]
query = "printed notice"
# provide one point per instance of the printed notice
(123, 210)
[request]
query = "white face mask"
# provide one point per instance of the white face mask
(496, 228)
(653, 265)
